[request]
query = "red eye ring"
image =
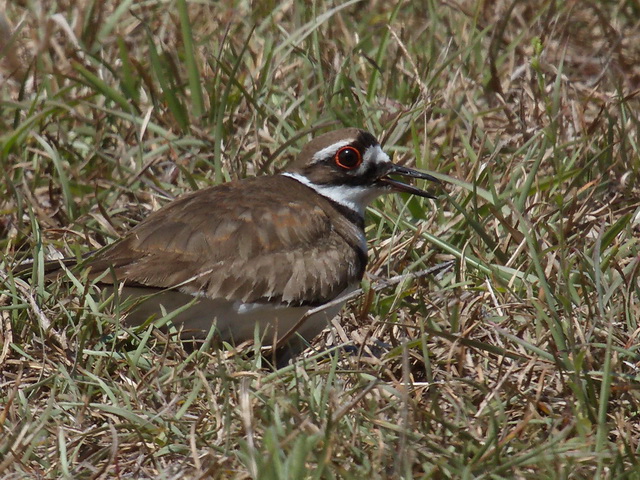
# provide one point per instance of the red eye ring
(348, 158)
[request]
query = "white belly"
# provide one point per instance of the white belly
(235, 322)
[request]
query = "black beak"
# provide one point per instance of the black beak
(397, 186)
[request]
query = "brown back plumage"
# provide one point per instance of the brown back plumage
(240, 241)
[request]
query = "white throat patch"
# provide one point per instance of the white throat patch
(354, 197)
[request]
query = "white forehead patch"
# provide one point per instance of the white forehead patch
(374, 154)
(331, 150)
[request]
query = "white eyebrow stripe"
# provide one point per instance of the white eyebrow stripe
(331, 150)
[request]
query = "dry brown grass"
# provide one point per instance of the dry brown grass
(521, 361)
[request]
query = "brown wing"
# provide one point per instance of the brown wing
(224, 243)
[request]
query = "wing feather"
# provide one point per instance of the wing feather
(225, 244)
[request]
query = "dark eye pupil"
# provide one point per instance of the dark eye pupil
(348, 158)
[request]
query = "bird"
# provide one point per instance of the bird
(250, 258)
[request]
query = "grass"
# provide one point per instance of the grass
(521, 361)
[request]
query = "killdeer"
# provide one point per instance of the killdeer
(257, 254)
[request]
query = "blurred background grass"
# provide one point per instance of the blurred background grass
(521, 361)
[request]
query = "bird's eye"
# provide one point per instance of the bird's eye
(348, 158)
